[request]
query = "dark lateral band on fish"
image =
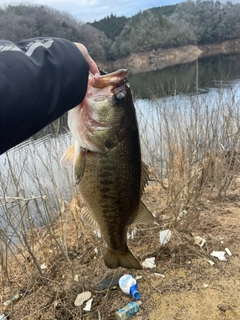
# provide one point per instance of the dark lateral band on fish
(107, 163)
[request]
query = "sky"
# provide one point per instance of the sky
(91, 10)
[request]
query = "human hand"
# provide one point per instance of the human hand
(92, 65)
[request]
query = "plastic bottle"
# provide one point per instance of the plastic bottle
(129, 310)
(129, 285)
(10, 303)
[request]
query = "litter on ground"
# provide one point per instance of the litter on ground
(149, 263)
(164, 236)
(81, 298)
(219, 254)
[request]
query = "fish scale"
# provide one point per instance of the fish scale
(115, 208)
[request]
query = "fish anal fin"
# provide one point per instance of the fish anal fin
(88, 219)
(144, 215)
(144, 177)
(79, 166)
(68, 156)
(115, 259)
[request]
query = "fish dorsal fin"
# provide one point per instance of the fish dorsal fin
(88, 219)
(144, 177)
(79, 165)
(68, 157)
(144, 215)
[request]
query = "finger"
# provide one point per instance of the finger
(92, 65)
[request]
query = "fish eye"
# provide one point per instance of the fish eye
(119, 97)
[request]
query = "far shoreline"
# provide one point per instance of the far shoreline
(163, 58)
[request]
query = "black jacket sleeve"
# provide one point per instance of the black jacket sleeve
(40, 79)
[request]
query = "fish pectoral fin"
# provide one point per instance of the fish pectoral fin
(79, 166)
(144, 215)
(126, 259)
(144, 176)
(88, 219)
(68, 156)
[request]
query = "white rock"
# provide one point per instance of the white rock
(82, 297)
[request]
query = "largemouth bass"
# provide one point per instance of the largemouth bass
(107, 163)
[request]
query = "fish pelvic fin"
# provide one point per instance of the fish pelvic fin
(68, 157)
(73, 156)
(79, 166)
(114, 260)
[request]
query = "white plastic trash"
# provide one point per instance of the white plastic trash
(88, 305)
(43, 266)
(129, 285)
(159, 275)
(210, 262)
(164, 236)
(228, 252)
(199, 241)
(149, 263)
(76, 278)
(131, 235)
(181, 215)
(219, 254)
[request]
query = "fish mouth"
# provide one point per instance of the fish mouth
(115, 79)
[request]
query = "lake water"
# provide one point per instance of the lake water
(31, 178)
(183, 91)
(197, 77)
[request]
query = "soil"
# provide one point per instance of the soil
(182, 286)
(162, 58)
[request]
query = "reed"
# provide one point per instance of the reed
(192, 148)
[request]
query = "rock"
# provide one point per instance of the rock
(81, 298)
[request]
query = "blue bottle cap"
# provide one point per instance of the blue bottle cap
(134, 292)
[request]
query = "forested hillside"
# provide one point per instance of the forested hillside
(22, 21)
(112, 26)
(191, 22)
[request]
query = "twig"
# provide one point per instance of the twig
(34, 259)
(13, 199)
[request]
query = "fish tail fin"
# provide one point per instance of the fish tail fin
(114, 260)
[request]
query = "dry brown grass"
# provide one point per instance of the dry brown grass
(50, 293)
